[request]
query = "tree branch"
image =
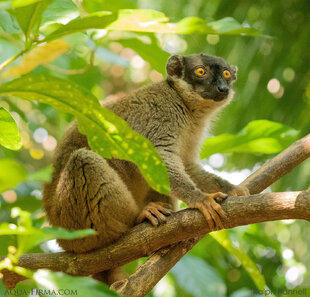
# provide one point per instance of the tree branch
(280, 165)
(144, 239)
(270, 172)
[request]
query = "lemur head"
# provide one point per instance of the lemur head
(208, 76)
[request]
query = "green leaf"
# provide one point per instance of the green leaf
(9, 133)
(59, 9)
(77, 286)
(230, 26)
(42, 175)
(57, 232)
(108, 135)
(97, 5)
(151, 53)
(191, 25)
(11, 174)
(97, 20)
(146, 20)
(29, 236)
(29, 18)
(222, 237)
(8, 23)
(20, 3)
(260, 136)
(198, 278)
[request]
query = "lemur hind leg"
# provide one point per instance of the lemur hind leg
(88, 193)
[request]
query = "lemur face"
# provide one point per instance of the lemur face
(211, 77)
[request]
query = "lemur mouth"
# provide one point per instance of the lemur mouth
(215, 97)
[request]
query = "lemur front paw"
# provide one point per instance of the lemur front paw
(211, 210)
(155, 212)
(239, 191)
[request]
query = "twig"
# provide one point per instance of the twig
(12, 59)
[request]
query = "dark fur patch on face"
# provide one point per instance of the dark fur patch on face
(209, 76)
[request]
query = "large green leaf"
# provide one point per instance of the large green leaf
(29, 18)
(151, 53)
(230, 26)
(198, 278)
(29, 236)
(260, 136)
(9, 133)
(222, 237)
(108, 135)
(97, 5)
(145, 20)
(74, 286)
(97, 20)
(11, 174)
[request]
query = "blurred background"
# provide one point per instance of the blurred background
(273, 84)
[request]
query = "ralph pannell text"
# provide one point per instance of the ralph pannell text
(281, 292)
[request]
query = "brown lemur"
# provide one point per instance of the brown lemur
(110, 195)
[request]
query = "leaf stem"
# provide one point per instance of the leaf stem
(12, 59)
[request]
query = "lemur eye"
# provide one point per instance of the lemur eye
(200, 71)
(226, 74)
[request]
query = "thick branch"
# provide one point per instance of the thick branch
(144, 239)
(161, 262)
(280, 165)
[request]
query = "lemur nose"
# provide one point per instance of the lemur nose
(222, 89)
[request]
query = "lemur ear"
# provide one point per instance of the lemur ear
(235, 70)
(175, 66)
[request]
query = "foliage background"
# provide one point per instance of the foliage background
(273, 84)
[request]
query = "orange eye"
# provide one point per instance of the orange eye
(200, 71)
(226, 74)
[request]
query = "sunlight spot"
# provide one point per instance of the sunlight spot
(287, 254)
(37, 194)
(41, 277)
(12, 226)
(37, 154)
(130, 151)
(213, 38)
(288, 74)
(137, 62)
(217, 160)
(9, 196)
(50, 143)
(40, 135)
(293, 275)
(273, 86)
(284, 236)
